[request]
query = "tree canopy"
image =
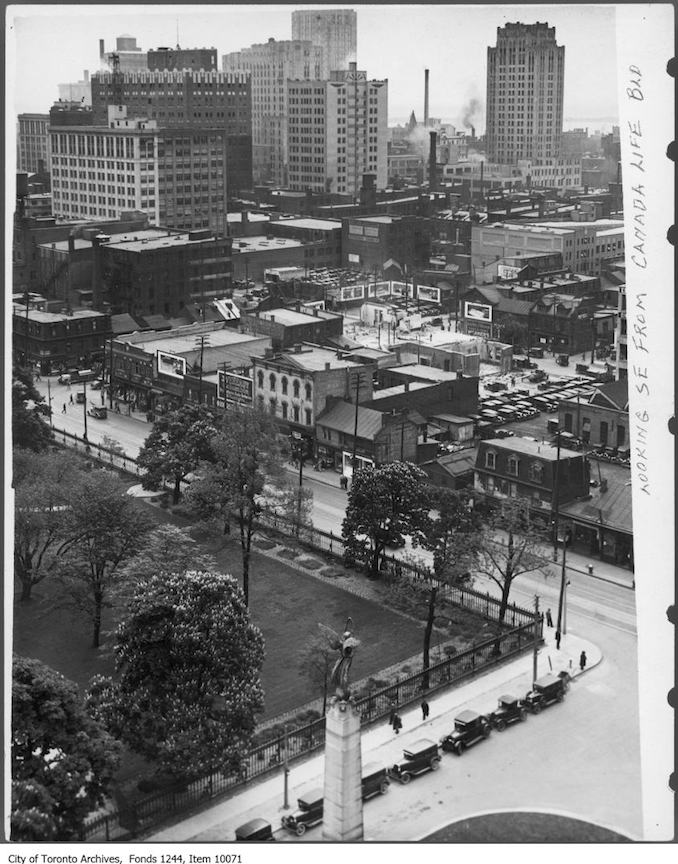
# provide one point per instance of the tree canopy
(105, 528)
(188, 662)
(385, 504)
(177, 444)
(29, 428)
(42, 483)
(63, 760)
(245, 455)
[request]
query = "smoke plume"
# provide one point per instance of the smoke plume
(470, 110)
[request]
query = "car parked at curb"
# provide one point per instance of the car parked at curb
(546, 691)
(422, 756)
(258, 830)
(309, 812)
(469, 728)
(509, 709)
(374, 781)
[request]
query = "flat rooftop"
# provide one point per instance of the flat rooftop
(316, 224)
(261, 243)
(429, 373)
(138, 241)
(547, 452)
(315, 358)
(180, 344)
(55, 317)
(290, 317)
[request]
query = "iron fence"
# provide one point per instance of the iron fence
(99, 452)
(135, 816)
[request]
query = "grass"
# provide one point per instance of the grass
(524, 828)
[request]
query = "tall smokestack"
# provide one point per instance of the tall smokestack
(425, 97)
(482, 190)
(473, 131)
(432, 164)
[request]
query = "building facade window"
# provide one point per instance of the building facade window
(512, 465)
(271, 381)
(490, 459)
(260, 379)
(295, 411)
(308, 392)
(537, 472)
(284, 385)
(295, 388)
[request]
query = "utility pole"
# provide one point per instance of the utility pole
(556, 493)
(298, 451)
(49, 402)
(201, 341)
(286, 770)
(355, 424)
(563, 589)
(84, 409)
(110, 375)
(535, 641)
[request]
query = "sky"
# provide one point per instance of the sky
(48, 45)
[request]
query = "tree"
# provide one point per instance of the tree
(166, 549)
(513, 331)
(316, 662)
(245, 458)
(511, 545)
(42, 483)
(105, 528)
(385, 504)
(29, 429)
(454, 537)
(176, 445)
(188, 663)
(63, 760)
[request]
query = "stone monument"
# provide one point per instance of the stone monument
(343, 803)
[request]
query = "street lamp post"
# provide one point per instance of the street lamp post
(535, 643)
(49, 402)
(556, 495)
(84, 409)
(286, 770)
(297, 449)
(562, 614)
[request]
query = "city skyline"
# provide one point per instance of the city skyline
(588, 33)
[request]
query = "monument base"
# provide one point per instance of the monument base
(343, 803)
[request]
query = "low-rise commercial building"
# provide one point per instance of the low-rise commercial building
(369, 242)
(602, 421)
(286, 327)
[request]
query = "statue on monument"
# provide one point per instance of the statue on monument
(346, 643)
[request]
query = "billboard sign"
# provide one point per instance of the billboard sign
(478, 312)
(504, 271)
(353, 292)
(425, 292)
(170, 364)
(234, 389)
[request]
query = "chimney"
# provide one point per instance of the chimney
(327, 366)
(432, 164)
(425, 97)
(71, 243)
(245, 217)
(407, 386)
(85, 75)
(101, 49)
(473, 131)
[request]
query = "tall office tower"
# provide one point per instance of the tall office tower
(270, 65)
(182, 58)
(337, 131)
(179, 98)
(32, 142)
(173, 175)
(77, 91)
(525, 77)
(334, 30)
(130, 56)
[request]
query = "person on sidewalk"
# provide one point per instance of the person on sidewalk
(549, 618)
(582, 661)
(343, 481)
(392, 714)
(558, 639)
(397, 724)
(63, 410)
(424, 709)
(71, 399)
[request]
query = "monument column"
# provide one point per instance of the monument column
(343, 803)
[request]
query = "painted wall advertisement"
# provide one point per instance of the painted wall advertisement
(426, 292)
(504, 271)
(170, 364)
(234, 389)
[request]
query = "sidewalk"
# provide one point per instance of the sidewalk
(379, 744)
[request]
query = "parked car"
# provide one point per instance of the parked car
(546, 691)
(503, 433)
(80, 397)
(536, 352)
(509, 709)
(309, 812)
(99, 412)
(97, 385)
(256, 830)
(538, 375)
(563, 359)
(469, 728)
(374, 781)
(422, 756)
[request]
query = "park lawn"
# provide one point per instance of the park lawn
(524, 828)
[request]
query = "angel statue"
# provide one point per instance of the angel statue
(346, 645)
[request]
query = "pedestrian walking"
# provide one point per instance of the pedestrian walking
(582, 660)
(549, 618)
(558, 639)
(343, 481)
(424, 709)
(392, 714)
(397, 724)
(37, 376)
(71, 399)
(63, 410)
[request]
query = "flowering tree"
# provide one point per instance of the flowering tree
(63, 760)
(188, 662)
(385, 504)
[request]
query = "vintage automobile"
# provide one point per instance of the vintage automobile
(422, 756)
(255, 830)
(509, 709)
(80, 397)
(546, 691)
(374, 781)
(563, 359)
(469, 728)
(99, 412)
(537, 375)
(309, 812)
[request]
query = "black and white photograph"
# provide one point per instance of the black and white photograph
(339, 464)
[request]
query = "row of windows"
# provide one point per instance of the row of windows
(296, 413)
(284, 382)
(535, 470)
